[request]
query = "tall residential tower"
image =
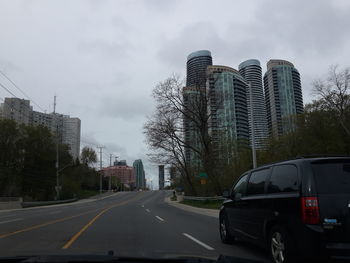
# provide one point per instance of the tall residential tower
(228, 109)
(283, 96)
(194, 97)
(251, 72)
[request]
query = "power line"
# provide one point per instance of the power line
(15, 85)
(21, 100)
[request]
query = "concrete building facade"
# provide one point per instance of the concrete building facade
(68, 129)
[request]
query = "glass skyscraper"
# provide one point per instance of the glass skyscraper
(252, 73)
(283, 96)
(227, 108)
(139, 174)
(194, 96)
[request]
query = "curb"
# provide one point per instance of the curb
(197, 210)
(81, 201)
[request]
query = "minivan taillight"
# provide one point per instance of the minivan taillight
(309, 210)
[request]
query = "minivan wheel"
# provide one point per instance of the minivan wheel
(281, 246)
(225, 234)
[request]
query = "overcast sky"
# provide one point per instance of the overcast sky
(103, 58)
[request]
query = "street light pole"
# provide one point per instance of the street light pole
(252, 124)
(110, 176)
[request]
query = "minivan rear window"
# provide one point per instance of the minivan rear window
(332, 177)
(284, 178)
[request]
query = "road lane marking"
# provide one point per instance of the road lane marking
(75, 237)
(142, 206)
(13, 220)
(81, 231)
(55, 212)
(159, 218)
(198, 242)
(56, 221)
(148, 210)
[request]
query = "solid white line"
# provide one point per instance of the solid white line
(55, 212)
(159, 218)
(148, 210)
(8, 221)
(198, 242)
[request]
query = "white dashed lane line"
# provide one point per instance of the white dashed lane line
(159, 218)
(148, 210)
(197, 241)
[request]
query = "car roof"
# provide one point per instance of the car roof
(302, 159)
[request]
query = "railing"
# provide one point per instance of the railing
(204, 198)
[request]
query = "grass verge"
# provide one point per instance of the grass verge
(209, 204)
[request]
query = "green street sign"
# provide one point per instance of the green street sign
(203, 175)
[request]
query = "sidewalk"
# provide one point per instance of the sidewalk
(189, 208)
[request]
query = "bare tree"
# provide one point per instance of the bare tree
(334, 94)
(181, 110)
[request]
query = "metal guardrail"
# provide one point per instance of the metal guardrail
(204, 198)
(32, 204)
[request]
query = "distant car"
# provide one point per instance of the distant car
(297, 209)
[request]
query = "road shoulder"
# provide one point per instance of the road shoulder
(197, 210)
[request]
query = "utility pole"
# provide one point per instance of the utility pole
(100, 147)
(57, 155)
(110, 177)
(252, 122)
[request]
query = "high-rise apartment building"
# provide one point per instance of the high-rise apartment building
(197, 63)
(194, 95)
(227, 108)
(283, 96)
(252, 73)
(16, 109)
(71, 135)
(161, 177)
(139, 174)
(67, 129)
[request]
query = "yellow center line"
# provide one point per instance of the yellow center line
(81, 231)
(45, 224)
(57, 221)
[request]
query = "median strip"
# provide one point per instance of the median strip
(198, 242)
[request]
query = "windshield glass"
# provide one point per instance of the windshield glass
(123, 122)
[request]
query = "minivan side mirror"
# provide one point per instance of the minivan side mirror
(226, 194)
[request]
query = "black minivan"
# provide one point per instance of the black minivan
(297, 209)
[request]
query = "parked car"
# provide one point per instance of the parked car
(297, 209)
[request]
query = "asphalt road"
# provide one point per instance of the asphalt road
(136, 224)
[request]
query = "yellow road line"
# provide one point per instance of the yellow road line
(81, 231)
(58, 220)
(44, 224)
(75, 237)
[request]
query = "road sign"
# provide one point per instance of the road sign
(203, 175)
